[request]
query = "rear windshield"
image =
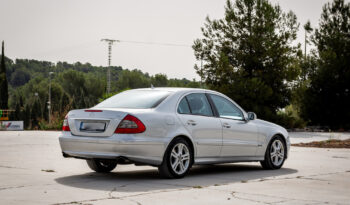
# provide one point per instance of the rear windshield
(138, 99)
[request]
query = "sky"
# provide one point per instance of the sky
(71, 30)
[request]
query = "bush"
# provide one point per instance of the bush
(56, 123)
(289, 118)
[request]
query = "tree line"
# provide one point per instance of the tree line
(73, 86)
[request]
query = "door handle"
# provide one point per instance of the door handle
(191, 122)
(226, 125)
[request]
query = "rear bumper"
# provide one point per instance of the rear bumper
(137, 148)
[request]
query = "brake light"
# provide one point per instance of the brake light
(93, 110)
(130, 125)
(65, 126)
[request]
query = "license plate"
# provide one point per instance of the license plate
(92, 126)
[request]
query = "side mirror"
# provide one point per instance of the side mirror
(251, 116)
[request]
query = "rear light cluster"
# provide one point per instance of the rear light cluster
(130, 125)
(65, 126)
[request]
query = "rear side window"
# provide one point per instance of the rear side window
(183, 107)
(199, 104)
(135, 99)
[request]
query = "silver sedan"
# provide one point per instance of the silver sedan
(172, 129)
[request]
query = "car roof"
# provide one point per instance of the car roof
(185, 90)
(173, 89)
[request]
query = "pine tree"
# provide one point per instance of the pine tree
(17, 113)
(327, 99)
(249, 56)
(27, 115)
(35, 114)
(46, 111)
(3, 81)
(21, 103)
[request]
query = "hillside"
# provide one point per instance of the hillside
(73, 86)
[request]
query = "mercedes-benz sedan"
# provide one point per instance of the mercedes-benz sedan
(172, 129)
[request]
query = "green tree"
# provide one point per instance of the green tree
(327, 99)
(35, 114)
(45, 110)
(73, 83)
(21, 103)
(133, 79)
(17, 113)
(95, 87)
(159, 80)
(249, 56)
(3, 81)
(26, 116)
(308, 29)
(19, 77)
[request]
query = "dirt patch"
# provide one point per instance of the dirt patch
(326, 144)
(48, 170)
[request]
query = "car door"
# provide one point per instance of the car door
(240, 138)
(196, 114)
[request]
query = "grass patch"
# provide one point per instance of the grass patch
(244, 181)
(331, 143)
(197, 187)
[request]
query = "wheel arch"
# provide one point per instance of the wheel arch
(185, 137)
(284, 140)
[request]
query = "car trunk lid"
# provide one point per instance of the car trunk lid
(94, 122)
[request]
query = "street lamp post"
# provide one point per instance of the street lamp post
(49, 103)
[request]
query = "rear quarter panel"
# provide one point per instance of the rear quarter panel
(162, 127)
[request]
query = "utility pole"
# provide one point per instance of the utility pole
(110, 43)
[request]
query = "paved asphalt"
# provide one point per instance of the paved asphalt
(32, 171)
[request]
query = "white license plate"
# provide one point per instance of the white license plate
(92, 126)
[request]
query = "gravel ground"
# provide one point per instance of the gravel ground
(298, 137)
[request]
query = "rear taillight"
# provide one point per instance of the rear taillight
(130, 125)
(65, 126)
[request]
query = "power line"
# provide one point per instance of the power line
(154, 43)
(110, 43)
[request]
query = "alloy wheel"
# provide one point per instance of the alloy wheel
(277, 152)
(180, 158)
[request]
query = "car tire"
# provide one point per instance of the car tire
(275, 154)
(101, 165)
(177, 160)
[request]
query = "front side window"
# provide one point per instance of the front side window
(199, 104)
(135, 99)
(226, 108)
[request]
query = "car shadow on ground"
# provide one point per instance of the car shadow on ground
(149, 179)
